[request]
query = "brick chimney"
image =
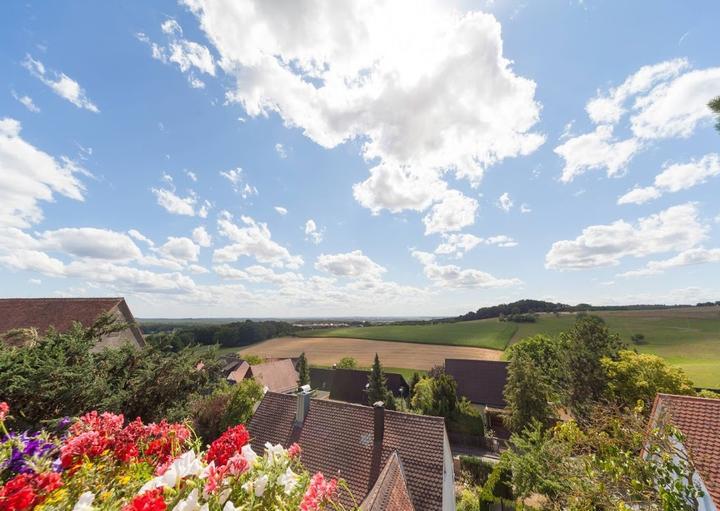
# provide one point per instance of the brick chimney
(379, 422)
(303, 404)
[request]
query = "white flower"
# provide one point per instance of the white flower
(229, 506)
(248, 453)
(257, 486)
(186, 465)
(274, 452)
(288, 480)
(189, 503)
(224, 495)
(85, 501)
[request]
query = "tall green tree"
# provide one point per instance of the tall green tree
(377, 386)
(548, 355)
(715, 107)
(445, 395)
(414, 381)
(303, 371)
(588, 342)
(527, 393)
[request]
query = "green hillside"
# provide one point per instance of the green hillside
(485, 333)
(687, 337)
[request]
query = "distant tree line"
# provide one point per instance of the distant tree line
(239, 333)
(519, 318)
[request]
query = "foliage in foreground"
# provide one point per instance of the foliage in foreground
(612, 463)
(100, 463)
(61, 375)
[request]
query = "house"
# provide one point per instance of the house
(277, 375)
(351, 384)
(41, 314)
(698, 419)
(390, 460)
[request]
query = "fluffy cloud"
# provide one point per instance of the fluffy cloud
(174, 203)
(660, 101)
(280, 150)
(281, 210)
(252, 240)
(189, 56)
(452, 213)
(459, 244)
(674, 229)
(312, 232)
(505, 202)
(27, 102)
(134, 233)
(30, 175)
(596, 150)
(180, 249)
(353, 264)
(425, 86)
(91, 243)
(235, 176)
(675, 177)
(687, 257)
(452, 276)
(257, 274)
(61, 84)
(201, 237)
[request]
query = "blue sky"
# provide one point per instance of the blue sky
(211, 158)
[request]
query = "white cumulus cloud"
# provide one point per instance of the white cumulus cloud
(353, 264)
(312, 232)
(201, 237)
(452, 213)
(452, 276)
(61, 84)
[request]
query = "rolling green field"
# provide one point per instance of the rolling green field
(688, 338)
(486, 333)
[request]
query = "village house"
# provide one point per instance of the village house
(29, 317)
(698, 419)
(390, 460)
(276, 375)
(351, 384)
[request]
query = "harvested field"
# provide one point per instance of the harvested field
(327, 351)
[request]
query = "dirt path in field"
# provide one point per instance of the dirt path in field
(327, 351)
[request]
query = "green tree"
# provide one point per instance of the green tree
(638, 338)
(414, 381)
(634, 377)
(423, 393)
(715, 107)
(252, 359)
(377, 386)
(444, 395)
(588, 341)
(347, 363)
(527, 393)
(303, 371)
(548, 355)
(227, 406)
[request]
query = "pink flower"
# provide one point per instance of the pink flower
(318, 493)
(4, 410)
(294, 450)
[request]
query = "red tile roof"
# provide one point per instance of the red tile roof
(481, 381)
(337, 439)
(390, 491)
(59, 313)
(699, 421)
(278, 376)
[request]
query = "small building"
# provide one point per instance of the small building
(41, 314)
(277, 375)
(698, 419)
(390, 460)
(350, 385)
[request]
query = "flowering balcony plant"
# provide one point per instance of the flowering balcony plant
(98, 462)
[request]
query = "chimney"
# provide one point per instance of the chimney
(379, 422)
(303, 404)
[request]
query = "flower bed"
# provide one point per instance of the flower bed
(98, 462)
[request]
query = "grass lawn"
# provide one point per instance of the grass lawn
(485, 333)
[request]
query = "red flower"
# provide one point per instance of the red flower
(229, 443)
(149, 501)
(25, 491)
(106, 424)
(90, 444)
(4, 410)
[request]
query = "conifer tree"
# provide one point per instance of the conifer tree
(303, 371)
(377, 386)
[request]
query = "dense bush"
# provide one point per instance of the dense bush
(61, 375)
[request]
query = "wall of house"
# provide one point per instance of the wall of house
(117, 339)
(448, 476)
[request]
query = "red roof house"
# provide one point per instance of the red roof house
(42, 314)
(277, 376)
(698, 419)
(390, 460)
